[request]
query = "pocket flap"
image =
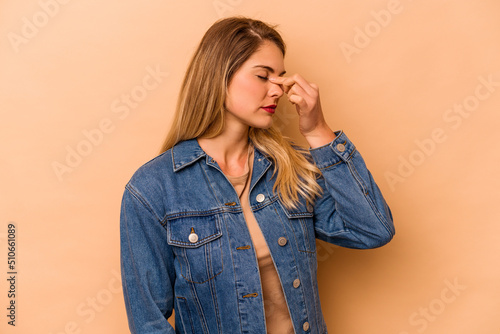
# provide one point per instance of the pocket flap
(302, 210)
(193, 231)
(298, 214)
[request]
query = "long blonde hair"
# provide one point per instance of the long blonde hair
(200, 109)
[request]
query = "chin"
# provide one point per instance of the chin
(263, 125)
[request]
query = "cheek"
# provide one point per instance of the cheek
(249, 89)
(243, 92)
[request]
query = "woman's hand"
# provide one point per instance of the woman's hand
(305, 97)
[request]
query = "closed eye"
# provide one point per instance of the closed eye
(263, 78)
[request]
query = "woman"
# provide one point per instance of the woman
(221, 226)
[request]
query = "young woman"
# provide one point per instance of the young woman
(221, 226)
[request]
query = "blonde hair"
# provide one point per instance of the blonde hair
(200, 109)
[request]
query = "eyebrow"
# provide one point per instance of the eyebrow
(269, 69)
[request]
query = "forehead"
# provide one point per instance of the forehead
(268, 55)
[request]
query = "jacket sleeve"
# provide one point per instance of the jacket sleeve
(146, 266)
(351, 211)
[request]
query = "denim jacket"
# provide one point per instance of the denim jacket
(185, 244)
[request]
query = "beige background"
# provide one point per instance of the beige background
(407, 81)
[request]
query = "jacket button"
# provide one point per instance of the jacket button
(340, 147)
(296, 283)
(260, 198)
(282, 241)
(305, 326)
(310, 208)
(193, 237)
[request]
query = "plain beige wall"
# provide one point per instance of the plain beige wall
(415, 85)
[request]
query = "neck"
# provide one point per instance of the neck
(229, 149)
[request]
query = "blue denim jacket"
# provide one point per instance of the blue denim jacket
(185, 244)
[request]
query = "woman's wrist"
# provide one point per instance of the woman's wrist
(320, 136)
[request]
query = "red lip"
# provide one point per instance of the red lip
(270, 108)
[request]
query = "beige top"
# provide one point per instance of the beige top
(277, 315)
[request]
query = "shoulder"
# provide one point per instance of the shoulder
(152, 170)
(165, 172)
(149, 182)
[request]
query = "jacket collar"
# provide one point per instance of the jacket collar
(185, 153)
(189, 151)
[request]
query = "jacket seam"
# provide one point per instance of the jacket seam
(361, 184)
(127, 300)
(235, 281)
(184, 214)
(142, 200)
(195, 282)
(180, 314)
(213, 292)
(199, 243)
(341, 161)
(132, 260)
(199, 309)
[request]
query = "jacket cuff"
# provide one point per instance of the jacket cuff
(341, 147)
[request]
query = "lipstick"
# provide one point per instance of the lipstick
(270, 109)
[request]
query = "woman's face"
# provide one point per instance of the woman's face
(250, 91)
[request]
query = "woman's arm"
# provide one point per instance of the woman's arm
(352, 211)
(146, 265)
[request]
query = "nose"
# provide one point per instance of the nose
(275, 90)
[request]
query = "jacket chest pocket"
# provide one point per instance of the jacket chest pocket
(301, 221)
(196, 242)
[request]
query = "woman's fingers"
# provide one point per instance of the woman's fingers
(294, 91)
(293, 81)
(299, 91)
(305, 97)
(286, 82)
(296, 83)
